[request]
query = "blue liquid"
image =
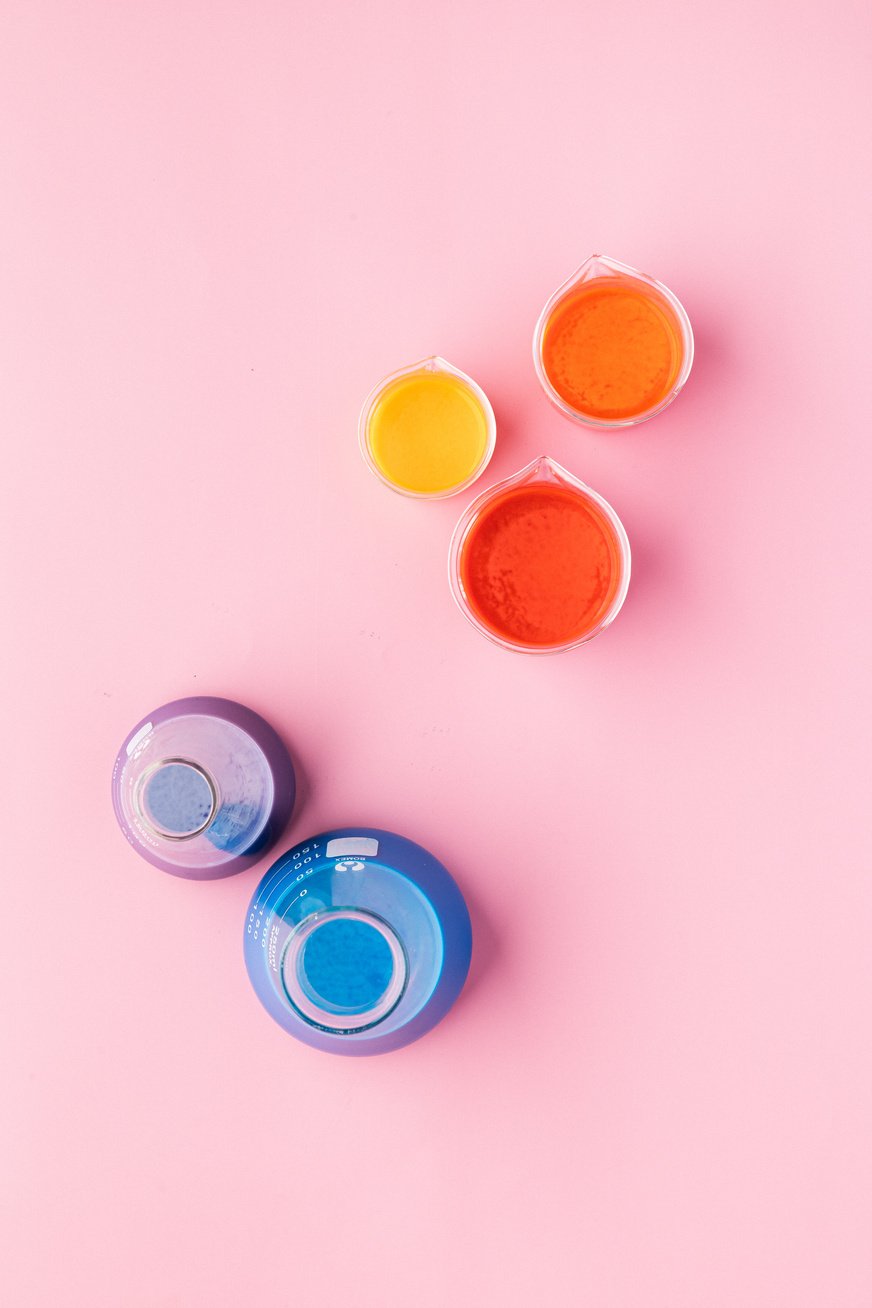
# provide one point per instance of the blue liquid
(178, 799)
(346, 966)
(231, 830)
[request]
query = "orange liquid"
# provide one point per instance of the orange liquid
(541, 565)
(612, 349)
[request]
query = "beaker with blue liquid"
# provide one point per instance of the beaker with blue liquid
(357, 941)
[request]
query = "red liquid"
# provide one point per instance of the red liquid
(541, 565)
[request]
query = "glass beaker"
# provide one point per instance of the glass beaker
(427, 430)
(612, 346)
(540, 563)
(202, 787)
(357, 941)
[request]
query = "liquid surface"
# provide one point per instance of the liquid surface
(177, 799)
(428, 432)
(612, 349)
(541, 565)
(346, 966)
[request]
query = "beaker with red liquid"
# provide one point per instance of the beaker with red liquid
(540, 563)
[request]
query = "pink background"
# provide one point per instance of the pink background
(221, 224)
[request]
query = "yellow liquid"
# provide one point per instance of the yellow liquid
(428, 432)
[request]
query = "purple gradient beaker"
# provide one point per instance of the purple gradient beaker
(203, 787)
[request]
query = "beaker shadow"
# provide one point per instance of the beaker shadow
(485, 947)
(714, 367)
(304, 787)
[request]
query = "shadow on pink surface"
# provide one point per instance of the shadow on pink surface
(485, 947)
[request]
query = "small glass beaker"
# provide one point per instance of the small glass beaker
(202, 787)
(428, 430)
(612, 346)
(540, 563)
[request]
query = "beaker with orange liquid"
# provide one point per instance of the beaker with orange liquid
(612, 346)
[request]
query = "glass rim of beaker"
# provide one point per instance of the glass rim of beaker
(160, 832)
(344, 1023)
